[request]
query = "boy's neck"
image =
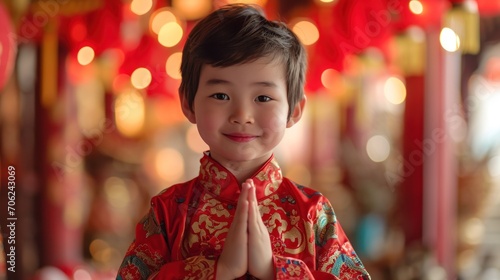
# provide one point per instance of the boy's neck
(242, 170)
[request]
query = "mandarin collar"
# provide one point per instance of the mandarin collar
(216, 179)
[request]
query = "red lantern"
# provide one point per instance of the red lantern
(485, 7)
(488, 7)
(98, 28)
(430, 17)
(8, 46)
(347, 28)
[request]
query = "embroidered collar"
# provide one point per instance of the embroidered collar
(216, 179)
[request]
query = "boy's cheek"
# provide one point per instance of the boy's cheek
(277, 120)
(277, 125)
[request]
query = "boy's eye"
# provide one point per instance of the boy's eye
(220, 96)
(263, 98)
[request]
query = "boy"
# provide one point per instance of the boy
(242, 85)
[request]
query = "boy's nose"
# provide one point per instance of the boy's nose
(241, 114)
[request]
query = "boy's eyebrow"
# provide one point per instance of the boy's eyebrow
(265, 84)
(216, 82)
(221, 81)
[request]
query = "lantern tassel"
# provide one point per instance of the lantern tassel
(463, 18)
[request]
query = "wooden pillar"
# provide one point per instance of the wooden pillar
(440, 165)
(60, 159)
(411, 188)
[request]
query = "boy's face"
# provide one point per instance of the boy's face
(241, 110)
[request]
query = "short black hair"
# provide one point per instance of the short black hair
(237, 34)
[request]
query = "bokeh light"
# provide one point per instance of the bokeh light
(472, 231)
(331, 79)
(52, 273)
(130, 113)
(169, 164)
(90, 104)
(141, 7)
(416, 7)
(170, 34)
(173, 65)
(192, 9)
(449, 40)
(378, 148)
(81, 274)
(116, 192)
(141, 78)
(85, 55)
(102, 252)
(160, 18)
(307, 32)
(96, 249)
(394, 90)
(257, 2)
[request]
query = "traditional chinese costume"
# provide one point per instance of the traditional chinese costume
(183, 234)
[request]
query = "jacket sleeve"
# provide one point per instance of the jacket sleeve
(149, 255)
(335, 258)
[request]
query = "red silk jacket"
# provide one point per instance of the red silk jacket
(183, 234)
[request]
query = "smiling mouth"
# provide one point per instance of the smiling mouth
(240, 137)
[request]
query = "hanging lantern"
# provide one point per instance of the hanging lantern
(488, 7)
(7, 46)
(411, 51)
(422, 13)
(463, 19)
(192, 9)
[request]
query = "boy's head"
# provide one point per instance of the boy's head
(237, 34)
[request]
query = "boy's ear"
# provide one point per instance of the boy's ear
(186, 110)
(297, 112)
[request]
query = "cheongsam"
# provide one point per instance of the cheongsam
(183, 234)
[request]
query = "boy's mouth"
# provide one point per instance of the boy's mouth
(239, 137)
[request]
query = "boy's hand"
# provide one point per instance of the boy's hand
(233, 261)
(260, 255)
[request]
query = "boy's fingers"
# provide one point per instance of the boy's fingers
(242, 207)
(259, 248)
(244, 192)
(255, 221)
(252, 195)
(251, 208)
(234, 256)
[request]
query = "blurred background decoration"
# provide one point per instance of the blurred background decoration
(401, 130)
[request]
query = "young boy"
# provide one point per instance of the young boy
(242, 85)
